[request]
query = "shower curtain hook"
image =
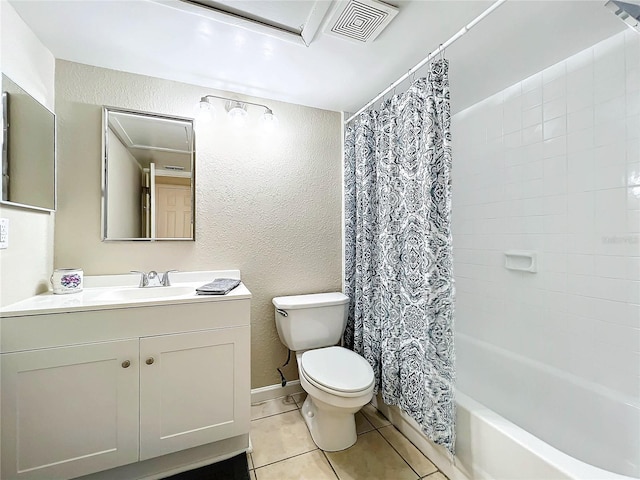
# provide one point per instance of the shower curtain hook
(441, 53)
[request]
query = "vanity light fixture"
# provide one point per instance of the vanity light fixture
(236, 111)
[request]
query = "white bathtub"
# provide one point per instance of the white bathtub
(490, 447)
(583, 419)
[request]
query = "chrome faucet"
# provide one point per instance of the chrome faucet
(165, 278)
(153, 279)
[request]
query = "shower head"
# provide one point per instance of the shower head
(629, 13)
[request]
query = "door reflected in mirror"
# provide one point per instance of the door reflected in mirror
(148, 176)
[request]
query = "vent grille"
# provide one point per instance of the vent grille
(360, 20)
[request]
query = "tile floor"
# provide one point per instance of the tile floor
(283, 448)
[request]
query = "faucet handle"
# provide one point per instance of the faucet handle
(165, 278)
(144, 279)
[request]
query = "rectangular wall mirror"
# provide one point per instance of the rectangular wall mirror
(28, 150)
(148, 181)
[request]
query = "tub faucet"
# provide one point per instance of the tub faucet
(153, 279)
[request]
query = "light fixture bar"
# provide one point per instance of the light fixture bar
(236, 110)
(204, 99)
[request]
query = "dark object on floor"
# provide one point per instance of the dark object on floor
(234, 468)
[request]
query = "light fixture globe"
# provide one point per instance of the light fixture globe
(269, 120)
(237, 112)
(205, 111)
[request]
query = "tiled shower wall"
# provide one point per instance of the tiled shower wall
(552, 165)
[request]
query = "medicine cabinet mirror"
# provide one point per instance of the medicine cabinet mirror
(28, 150)
(148, 183)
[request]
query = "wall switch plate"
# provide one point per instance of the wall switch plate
(4, 233)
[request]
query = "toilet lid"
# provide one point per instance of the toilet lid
(338, 369)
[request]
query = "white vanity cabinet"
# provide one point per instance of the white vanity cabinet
(69, 411)
(190, 387)
(87, 391)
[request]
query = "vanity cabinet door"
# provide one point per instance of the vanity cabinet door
(194, 389)
(69, 411)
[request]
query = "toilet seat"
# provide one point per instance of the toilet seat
(337, 371)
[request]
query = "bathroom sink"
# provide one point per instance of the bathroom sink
(103, 292)
(152, 293)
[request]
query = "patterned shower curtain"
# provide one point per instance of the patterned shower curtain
(399, 273)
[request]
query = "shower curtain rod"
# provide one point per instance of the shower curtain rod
(432, 55)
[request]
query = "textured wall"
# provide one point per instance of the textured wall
(26, 265)
(267, 204)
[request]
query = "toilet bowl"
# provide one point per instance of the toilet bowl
(338, 382)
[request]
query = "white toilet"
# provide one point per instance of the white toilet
(338, 382)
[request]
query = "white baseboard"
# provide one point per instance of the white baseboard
(262, 394)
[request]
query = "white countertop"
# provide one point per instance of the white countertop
(98, 294)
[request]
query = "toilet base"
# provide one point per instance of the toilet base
(332, 429)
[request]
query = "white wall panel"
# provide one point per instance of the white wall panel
(560, 180)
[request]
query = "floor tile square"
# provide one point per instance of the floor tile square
(370, 458)
(312, 466)
(273, 407)
(362, 424)
(408, 451)
(374, 416)
(278, 437)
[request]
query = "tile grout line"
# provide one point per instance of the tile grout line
(396, 450)
(330, 464)
(273, 414)
(418, 477)
(287, 458)
(374, 428)
(431, 474)
(294, 403)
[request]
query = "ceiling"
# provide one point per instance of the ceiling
(178, 41)
(153, 138)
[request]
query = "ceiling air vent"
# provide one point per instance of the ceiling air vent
(629, 13)
(360, 20)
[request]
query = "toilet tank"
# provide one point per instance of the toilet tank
(311, 321)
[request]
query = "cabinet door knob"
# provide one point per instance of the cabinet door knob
(126, 364)
(150, 361)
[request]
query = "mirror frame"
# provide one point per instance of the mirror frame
(105, 148)
(5, 159)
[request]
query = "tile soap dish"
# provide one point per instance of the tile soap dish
(522, 260)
